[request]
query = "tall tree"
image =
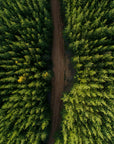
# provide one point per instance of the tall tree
(25, 74)
(87, 116)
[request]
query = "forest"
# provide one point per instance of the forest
(87, 116)
(25, 71)
(27, 32)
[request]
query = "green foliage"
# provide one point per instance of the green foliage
(25, 41)
(87, 116)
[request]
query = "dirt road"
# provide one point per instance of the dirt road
(58, 68)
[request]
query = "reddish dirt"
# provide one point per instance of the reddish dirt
(58, 69)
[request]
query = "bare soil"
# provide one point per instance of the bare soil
(61, 68)
(58, 69)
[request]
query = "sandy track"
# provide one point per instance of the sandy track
(58, 68)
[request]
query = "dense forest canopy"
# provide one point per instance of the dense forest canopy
(87, 115)
(25, 72)
(25, 51)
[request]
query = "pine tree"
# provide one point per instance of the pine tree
(87, 116)
(24, 71)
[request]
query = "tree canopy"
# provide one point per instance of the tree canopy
(87, 115)
(25, 71)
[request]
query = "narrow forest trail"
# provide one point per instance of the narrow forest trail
(58, 68)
